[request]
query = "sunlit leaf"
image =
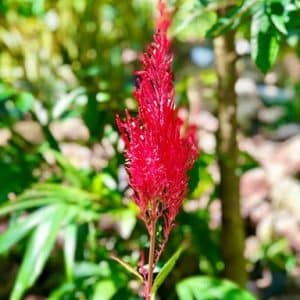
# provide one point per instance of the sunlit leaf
(22, 227)
(231, 19)
(70, 236)
(264, 41)
(279, 22)
(24, 102)
(129, 268)
(23, 205)
(191, 21)
(37, 251)
(5, 92)
(208, 288)
(104, 290)
(89, 269)
(165, 271)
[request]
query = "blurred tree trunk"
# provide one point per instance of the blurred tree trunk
(232, 231)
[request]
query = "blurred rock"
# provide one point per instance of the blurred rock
(31, 131)
(291, 65)
(254, 184)
(252, 248)
(34, 297)
(195, 204)
(287, 131)
(208, 125)
(99, 157)
(277, 159)
(202, 56)
(242, 46)
(5, 136)
(215, 214)
(288, 155)
(258, 147)
(254, 189)
(107, 223)
(271, 78)
(272, 94)
(78, 155)
(270, 115)
(207, 121)
(72, 129)
(266, 280)
(129, 55)
(285, 224)
(294, 240)
(245, 86)
(248, 106)
(207, 141)
(260, 211)
(280, 224)
(264, 229)
(286, 195)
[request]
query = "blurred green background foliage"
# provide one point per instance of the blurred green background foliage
(66, 69)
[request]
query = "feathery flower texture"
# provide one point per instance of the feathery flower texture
(158, 152)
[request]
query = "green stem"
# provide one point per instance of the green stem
(151, 260)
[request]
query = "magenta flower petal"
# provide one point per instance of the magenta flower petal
(158, 155)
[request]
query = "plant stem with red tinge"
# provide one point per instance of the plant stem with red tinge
(151, 260)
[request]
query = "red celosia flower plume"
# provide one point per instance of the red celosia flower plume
(158, 154)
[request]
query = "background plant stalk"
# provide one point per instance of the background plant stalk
(232, 230)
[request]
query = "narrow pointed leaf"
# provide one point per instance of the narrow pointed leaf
(22, 205)
(129, 268)
(21, 228)
(37, 251)
(166, 269)
(279, 22)
(69, 250)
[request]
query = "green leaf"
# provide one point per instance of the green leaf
(72, 174)
(37, 251)
(126, 220)
(38, 7)
(277, 247)
(22, 205)
(59, 192)
(166, 269)
(200, 180)
(264, 41)
(47, 193)
(70, 249)
(278, 12)
(192, 24)
(24, 102)
(89, 269)
(231, 19)
(5, 92)
(129, 268)
(60, 292)
(208, 288)
(204, 2)
(21, 228)
(104, 290)
(279, 22)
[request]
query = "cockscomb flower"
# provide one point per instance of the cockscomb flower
(158, 151)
